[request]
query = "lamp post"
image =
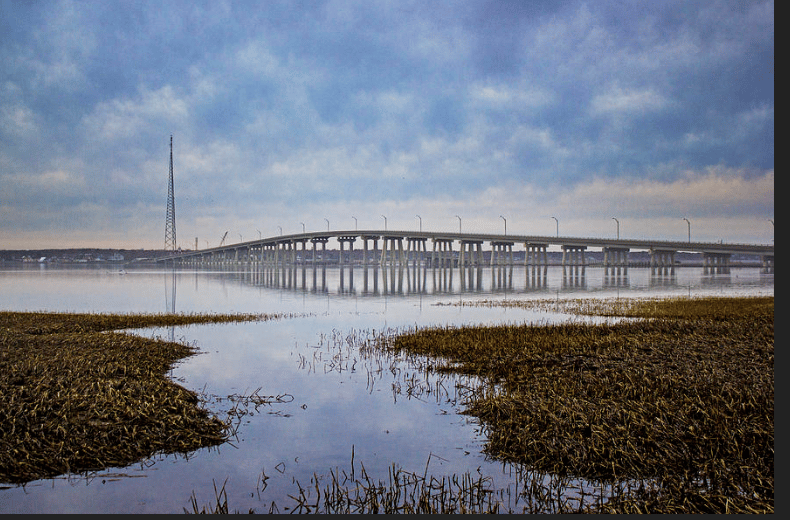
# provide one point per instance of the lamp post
(281, 229)
(558, 225)
(689, 226)
(419, 217)
(385, 222)
(260, 236)
(503, 218)
(303, 230)
(459, 223)
(618, 227)
(327, 223)
(356, 224)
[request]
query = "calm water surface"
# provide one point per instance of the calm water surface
(328, 402)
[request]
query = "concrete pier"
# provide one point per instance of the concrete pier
(662, 258)
(716, 263)
(442, 254)
(397, 256)
(471, 253)
(322, 241)
(536, 254)
(365, 239)
(350, 241)
(501, 253)
(573, 255)
(416, 250)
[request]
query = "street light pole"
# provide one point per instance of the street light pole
(558, 225)
(356, 226)
(419, 217)
(459, 223)
(327, 223)
(618, 227)
(303, 230)
(503, 218)
(385, 222)
(689, 226)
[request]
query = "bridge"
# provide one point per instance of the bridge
(405, 247)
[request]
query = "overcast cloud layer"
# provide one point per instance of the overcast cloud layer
(302, 115)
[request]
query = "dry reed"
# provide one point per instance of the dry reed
(76, 397)
(679, 404)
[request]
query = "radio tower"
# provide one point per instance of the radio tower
(170, 220)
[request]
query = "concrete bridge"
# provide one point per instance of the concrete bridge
(457, 249)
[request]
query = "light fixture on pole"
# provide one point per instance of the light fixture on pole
(558, 225)
(503, 218)
(385, 222)
(419, 217)
(689, 226)
(459, 223)
(618, 227)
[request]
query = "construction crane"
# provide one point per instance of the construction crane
(222, 242)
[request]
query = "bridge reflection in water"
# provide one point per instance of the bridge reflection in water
(408, 280)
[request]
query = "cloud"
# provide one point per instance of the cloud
(127, 118)
(286, 112)
(714, 192)
(620, 101)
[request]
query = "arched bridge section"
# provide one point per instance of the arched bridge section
(456, 249)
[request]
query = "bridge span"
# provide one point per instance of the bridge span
(405, 247)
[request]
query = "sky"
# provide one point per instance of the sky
(534, 117)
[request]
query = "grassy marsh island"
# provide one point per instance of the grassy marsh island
(675, 409)
(76, 395)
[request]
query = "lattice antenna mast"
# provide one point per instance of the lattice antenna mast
(170, 220)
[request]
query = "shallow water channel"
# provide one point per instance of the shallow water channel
(323, 405)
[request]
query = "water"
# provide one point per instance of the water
(329, 403)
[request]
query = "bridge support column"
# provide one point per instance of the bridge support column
(365, 239)
(416, 250)
(573, 255)
(716, 262)
(471, 253)
(397, 256)
(322, 241)
(271, 255)
(302, 241)
(663, 260)
(445, 252)
(615, 256)
(343, 240)
(536, 254)
(501, 253)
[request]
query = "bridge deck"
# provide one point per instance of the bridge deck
(722, 248)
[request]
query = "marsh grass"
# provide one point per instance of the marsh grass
(668, 412)
(679, 403)
(78, 396)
